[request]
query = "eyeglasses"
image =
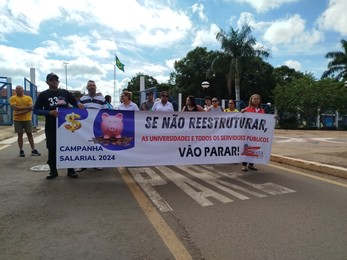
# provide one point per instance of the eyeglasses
(214, 100)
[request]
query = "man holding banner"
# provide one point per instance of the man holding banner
(47, 104)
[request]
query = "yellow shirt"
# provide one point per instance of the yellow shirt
(228, 110)
(24, 101)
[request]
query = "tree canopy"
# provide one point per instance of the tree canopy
(337, 67)
(238, 49)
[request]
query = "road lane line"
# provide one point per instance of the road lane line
(175, 246)
(310, 176)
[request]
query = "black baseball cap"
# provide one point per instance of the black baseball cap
(51, 75)
(149, 93)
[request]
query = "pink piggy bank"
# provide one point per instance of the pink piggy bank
(112, 126)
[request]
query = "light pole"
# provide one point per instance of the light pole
(65, 64)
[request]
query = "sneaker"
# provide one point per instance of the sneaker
(244, 168)
(98, 168)
(251, 167)
(71, 173)
(81, 169)
(35, 153)
(52, 175)
(21, 153)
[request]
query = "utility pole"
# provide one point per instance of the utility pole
(65, 64)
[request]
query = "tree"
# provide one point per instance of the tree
(258, 77)
(190, 71)
(134, 85)
(294, 111)
(337, 67)
(284, 75)
(299, 102)
(238, 48)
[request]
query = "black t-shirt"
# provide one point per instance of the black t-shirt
(50, 100)
(186, 109)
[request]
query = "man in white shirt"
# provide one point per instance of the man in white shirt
(127, 104)
(93, 100)
(164, 104)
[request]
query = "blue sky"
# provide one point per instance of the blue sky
(148, 36)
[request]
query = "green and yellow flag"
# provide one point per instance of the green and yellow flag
(119, 64)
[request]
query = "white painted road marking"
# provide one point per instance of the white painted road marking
(5, 146)
(280, 139)
(147, 186)
(147, 178)
(187, 185)
(37, 139)
(214, 180)
(269, 187)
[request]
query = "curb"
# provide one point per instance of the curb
(312, 166)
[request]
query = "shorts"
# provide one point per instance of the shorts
(20, 125)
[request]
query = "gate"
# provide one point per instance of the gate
(5, 108)
(6, 113)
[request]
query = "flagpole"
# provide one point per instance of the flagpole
(114, 82)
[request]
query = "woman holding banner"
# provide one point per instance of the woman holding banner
(254, 106)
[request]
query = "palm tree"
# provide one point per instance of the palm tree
(238, 47)
(338, 63)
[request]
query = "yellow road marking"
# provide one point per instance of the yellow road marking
(311, 176)
(167, 235)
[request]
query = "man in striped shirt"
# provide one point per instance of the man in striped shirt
(92, 99)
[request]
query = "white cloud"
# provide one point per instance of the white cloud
(199, 8)
(149, 25)
(291, 31)
(265, 5)
(170, 63)
(206, 37)
(335, 17)
(293, 64)
(248, 18)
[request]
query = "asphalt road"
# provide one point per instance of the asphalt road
(171, 212)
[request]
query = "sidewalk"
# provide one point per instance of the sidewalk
(321, 151)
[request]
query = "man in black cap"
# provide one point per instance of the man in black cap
(147, 105)
(46, 104)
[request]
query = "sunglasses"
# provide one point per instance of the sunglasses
(164, 95)
(53, 79)
(214, 100)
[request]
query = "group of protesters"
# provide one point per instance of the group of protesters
(49, 100)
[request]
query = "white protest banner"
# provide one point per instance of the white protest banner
(110, 138)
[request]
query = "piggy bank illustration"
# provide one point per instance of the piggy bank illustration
(112, 126)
